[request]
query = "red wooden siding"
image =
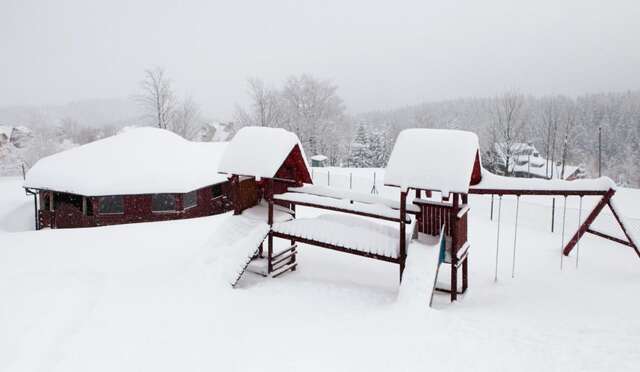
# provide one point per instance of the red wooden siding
(433, 216)
(476, 174)
(294, 168)
(137, 208)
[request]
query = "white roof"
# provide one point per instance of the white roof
(319, 158)
(136, 161)
(432, 159)
(492, 181)
(259, 151)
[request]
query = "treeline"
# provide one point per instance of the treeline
(562, 128)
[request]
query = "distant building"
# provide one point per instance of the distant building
(525, 161)
(318, 161)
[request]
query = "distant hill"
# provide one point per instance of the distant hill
(93, 113)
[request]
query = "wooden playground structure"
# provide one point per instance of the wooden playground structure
(385, 229)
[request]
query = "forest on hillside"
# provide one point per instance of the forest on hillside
(571, 130)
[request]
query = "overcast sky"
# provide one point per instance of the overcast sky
(380, 54)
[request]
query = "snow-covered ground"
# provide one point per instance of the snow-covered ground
(152, 297)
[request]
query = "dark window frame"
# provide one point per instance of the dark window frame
(186, 206)
(217, 187)
(154, 200)
(101, 200)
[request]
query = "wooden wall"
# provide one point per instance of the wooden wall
(137, 208)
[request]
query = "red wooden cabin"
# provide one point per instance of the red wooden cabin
(141, 175)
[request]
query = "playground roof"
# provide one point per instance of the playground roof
(259, 151)
(433, 159)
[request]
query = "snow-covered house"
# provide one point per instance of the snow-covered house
(270, 159)
(525, 161)
(139, 175)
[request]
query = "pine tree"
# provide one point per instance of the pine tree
(360, 152)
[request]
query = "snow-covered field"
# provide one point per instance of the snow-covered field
(151, 297)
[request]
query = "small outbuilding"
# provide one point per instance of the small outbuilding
(140, 175)
(271, 158)
(318, 161)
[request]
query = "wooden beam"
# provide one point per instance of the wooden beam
(536, 192)
(632, 244)
(609, 237)
(403, 231)
(336, 248)
(453, 221)
(588, 221)
(336, 209)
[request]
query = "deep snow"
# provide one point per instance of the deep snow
(153, 296)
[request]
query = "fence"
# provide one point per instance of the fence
(370, 180)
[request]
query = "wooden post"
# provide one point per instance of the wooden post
(270, 236)
(498, 236)
(588, 221)
(453, 220)
(624, 229)
(403, 235)
(491, 215)
(465, 274)
(515, 238)
(235, 194)
(553, 212)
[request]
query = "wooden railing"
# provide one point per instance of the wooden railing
(433, 215)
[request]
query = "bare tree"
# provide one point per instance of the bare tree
(507, 125)
(266, 106)
(157, 97)
(315, 112)
(187, 119)
(550, 114)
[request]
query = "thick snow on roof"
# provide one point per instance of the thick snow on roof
(319, 158)
(492, 181)
(432, 159)
(259, 151)
(136, 161)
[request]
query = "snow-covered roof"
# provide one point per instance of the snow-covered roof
(259, 151)
(492, 181)
(319, 158)
(6, 131)
(432, 159)
(136, 161)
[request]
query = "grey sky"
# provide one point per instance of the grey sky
(380, 54)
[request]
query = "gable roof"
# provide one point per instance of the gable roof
(433, 159)
(259, 152)
(137, 161)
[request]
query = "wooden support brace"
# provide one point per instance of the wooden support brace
(632, 244)
(588, 221)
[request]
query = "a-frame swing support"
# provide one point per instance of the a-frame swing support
(585, 227)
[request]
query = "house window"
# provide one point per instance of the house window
(190, 199)
(44, 201)
(216, 190)
(88, 207)
(163, 203)
(113, 204)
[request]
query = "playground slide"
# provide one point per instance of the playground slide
(421, 272)
(241, 252)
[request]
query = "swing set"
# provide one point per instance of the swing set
(591, 188)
